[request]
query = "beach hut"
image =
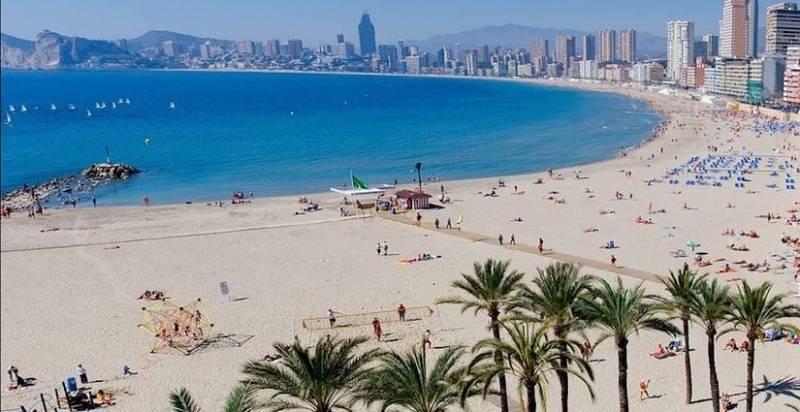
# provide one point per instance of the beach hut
(413, 199)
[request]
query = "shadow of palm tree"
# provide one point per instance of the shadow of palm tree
(786, 386)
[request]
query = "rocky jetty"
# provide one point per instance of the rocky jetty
(67, 189)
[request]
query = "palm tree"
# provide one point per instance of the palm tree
(491, 289)
(239, 400)
(559, 287)
(619, 312)
(682, 288)
(752, 311)
(709, 307)
(403, 380)
(320, 380)
(532, 357)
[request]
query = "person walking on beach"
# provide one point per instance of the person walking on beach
(378, 248)
(82, 374)
(613, 260)
(147, 200)
(500, 238)
(419, 219)
(426, 339)
(385, 248)
(541, 246)
(436, 223)
(643, 386)
(401, 312)
(331, 317)
(513, 240)
(94, 201)
(449, 223)
(376, 328)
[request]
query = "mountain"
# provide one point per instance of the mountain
(152, 40)
(517, 36)
(54, 51)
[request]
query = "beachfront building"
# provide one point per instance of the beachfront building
(540, 48)
(413, 64)
(587, 69)
(525, 70)
(472, 63)
(627, 46)
(740, 79)
(366, 36)
(247, 47)
(294, 48)
(791, 78)
(565, 50)
(168, 48)
(205, 51)
(752, 28)
(733, 38)
(412, 200)
(680, 47)
(588, 47)
(774, 67)
(607, 46)
(783, 27)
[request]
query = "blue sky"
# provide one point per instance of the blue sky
(319, 20)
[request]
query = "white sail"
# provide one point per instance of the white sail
(172, 105)
(52, 107)
(11, 108)
(113, 105)
(119, 100)
(103, 105)
(71, 107)
(88, 113)
(127, 101)
(23, 109)
(8, 118)
(96, 105)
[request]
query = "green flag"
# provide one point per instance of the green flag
(359, 184)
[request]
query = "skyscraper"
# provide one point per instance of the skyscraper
(607, 46)
(339, 38)
(587, 51)
(295, 48)
(680, 47)
(627, 46)
(540, 48)
(783, 27)
(712, 45)
(205, 50)
(733, 31)
(752, 28)
(366, 35)
(273, 48)
(565, 50)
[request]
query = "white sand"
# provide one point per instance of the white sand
(68, 297)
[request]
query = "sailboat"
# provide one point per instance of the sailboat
(97, 105)
(127, 101)
(88, 113)
(71, 107)
(8, 118)
(113, 105)
(23, 109)
(11, 108)
(172, 105)
(103, 105)
(119, 100)
(52, 107)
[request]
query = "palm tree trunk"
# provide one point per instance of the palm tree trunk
(530, 388)
(622, 379)
(751, 360)
(498, 358)
(712, 367)
(563, 378)
(687, 361)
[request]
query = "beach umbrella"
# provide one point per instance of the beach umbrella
(692, 245)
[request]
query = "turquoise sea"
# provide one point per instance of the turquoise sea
(280, 134)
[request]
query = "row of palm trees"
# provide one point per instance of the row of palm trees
(535, 332)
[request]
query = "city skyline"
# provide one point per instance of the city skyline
(318, 21)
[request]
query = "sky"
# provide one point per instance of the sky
(316, 21)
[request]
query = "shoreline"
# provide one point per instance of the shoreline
(583, 87)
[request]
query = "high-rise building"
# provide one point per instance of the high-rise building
(587, 49)
(740, 79)
(246, 47)
(366, 35)
(472, 63)
(752, 28)
(540, 48)
(483, 56)
(733, 31)
(168, 47)
(627, 46)
(712, 46)
(413, 64)
(339, 38)
(700, 50)
(122, 44)
(680, 47)
(774, 69)
(295, 48)
(607, 46)
(565, 50)
(402, 50)
(205, 50)
(273, 48)
(783, 27)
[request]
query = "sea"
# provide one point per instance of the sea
(199, 136)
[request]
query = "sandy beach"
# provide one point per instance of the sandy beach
(70, 278)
